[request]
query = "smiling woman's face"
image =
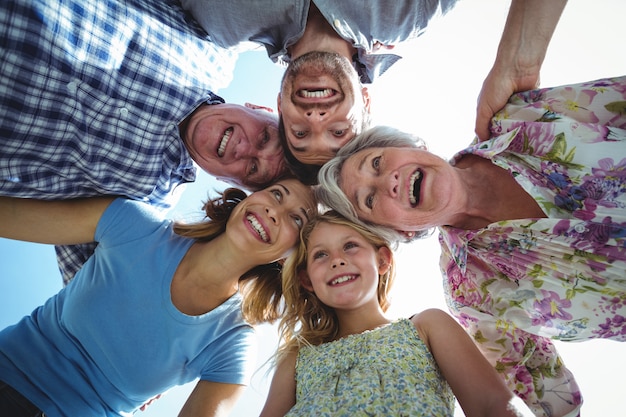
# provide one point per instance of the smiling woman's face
(403, 188)
(266, 225)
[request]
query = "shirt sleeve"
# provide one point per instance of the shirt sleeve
(126, 220)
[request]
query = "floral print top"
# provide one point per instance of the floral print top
(388, 371)
(515, 285)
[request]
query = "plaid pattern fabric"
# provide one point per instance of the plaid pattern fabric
(92, 92)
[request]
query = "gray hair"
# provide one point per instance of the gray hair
(329, 192)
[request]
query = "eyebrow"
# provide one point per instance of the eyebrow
(284, 188)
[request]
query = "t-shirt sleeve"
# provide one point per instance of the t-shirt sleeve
(126, 220)
(235, 357)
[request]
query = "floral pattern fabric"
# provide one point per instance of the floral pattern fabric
(515, 285)
(388, 371)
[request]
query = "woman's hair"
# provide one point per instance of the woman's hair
(306, 320)
(260, 287)
(329, 192)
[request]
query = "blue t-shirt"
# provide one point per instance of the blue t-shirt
(112, 339)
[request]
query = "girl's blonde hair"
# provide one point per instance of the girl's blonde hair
(306, 320)
(260, 287)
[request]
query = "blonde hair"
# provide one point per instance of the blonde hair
(306, 320)
(260, 287)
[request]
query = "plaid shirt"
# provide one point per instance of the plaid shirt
(92, 92)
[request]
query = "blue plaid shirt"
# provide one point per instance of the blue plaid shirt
(92, 92)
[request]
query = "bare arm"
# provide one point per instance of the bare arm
(57, 222)
(282, 394)
(522, 49)
(476, 385)
(211, 399)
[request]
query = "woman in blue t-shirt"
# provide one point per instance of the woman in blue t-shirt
(159, 303)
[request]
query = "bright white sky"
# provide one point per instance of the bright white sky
(431, 92)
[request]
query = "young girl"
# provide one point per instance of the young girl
(159, 304)
(342, 356)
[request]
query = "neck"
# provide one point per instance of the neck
(492, 195)
(320, 36)
(359, 320)
(207, 276)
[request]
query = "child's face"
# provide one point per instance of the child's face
(343, 267)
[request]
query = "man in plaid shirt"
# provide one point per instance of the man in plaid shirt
(106, 97)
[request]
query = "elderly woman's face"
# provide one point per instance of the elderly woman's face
(403, 188)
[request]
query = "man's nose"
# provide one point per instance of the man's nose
(316, 114)
(243, 149)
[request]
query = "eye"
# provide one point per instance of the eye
(254, 168)
(318, 255)
(369, 201)
(278, 195)
(350, 245)
(299, 133)
(298, 220)
(339, 132)
(265, 139)
(376, 163)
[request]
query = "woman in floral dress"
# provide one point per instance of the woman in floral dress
(532, 226)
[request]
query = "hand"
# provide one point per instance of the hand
(522, 49)
(496, 90)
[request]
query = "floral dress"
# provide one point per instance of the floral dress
(515, 285)
(388, 371)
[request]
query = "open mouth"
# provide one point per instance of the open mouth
(256, 225)
(342, 279)
(224, 142)
(316, 93)
(415, 186)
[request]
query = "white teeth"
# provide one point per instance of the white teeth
(257, 226)
(327, 92)
(227, 134)
(342, 279)
(416, 176)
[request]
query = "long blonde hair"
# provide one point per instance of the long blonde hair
(306, 320)
(260, 287)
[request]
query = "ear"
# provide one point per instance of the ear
(305, 281)
(384, 260)
(366, 98)
(278, 102)
(408, 234)
(257, 107)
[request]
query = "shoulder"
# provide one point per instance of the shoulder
(124, 217)
(428, 320)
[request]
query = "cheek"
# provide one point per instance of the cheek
(289, 239)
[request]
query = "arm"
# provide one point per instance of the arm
(282, 394)
(522, 49)
(476, 385)
(64, 222)
(211, 399)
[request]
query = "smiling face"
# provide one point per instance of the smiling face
(322, 104)
(343, 267)
(267, 223)
(405, 188)
(236, 144)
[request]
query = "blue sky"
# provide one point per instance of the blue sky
(431, 92)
